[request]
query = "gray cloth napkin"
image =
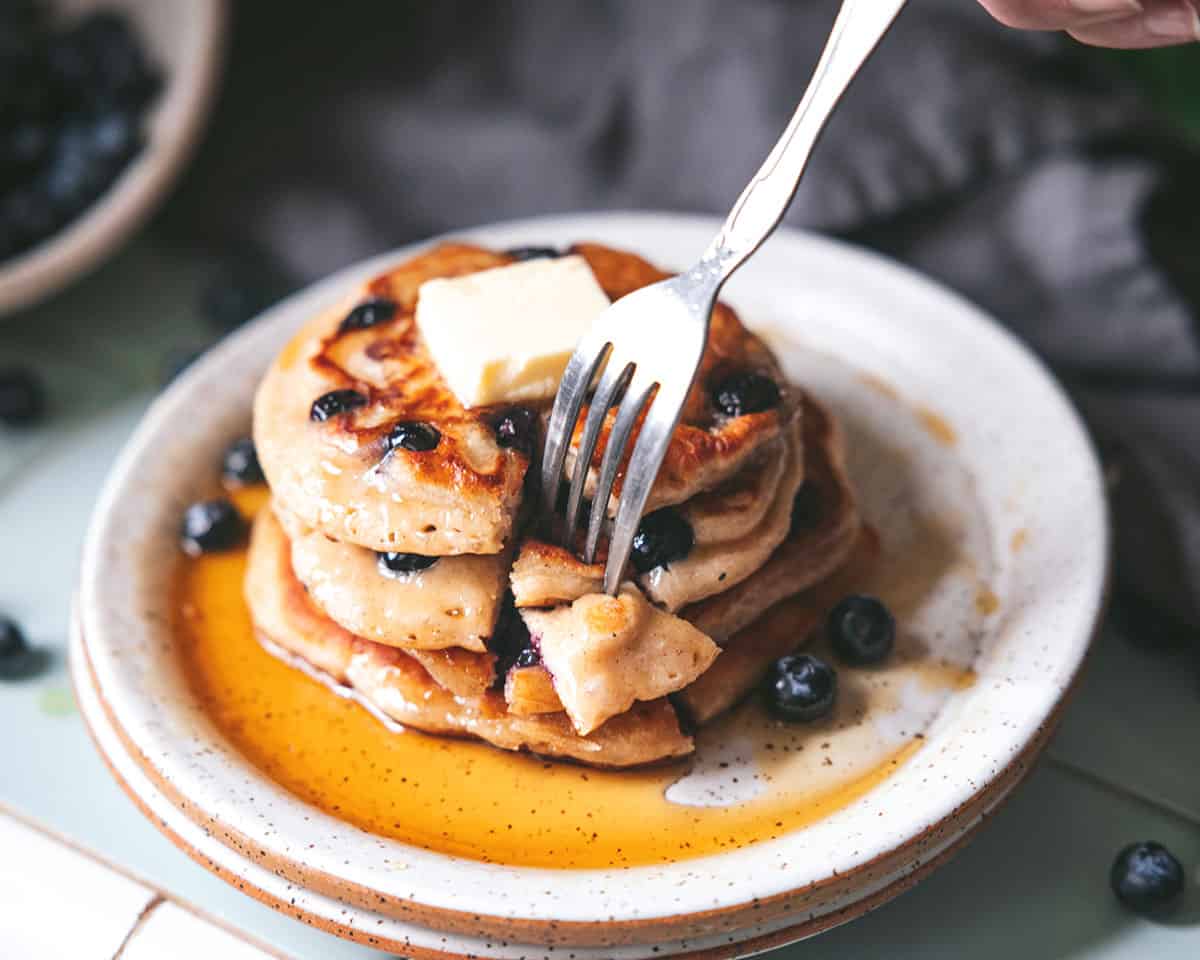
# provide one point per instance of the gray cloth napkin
(994, 160)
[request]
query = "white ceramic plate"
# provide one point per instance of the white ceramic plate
(954, 428)
(185, 37)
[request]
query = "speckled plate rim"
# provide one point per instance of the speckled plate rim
(352, 922)
(1007, 413)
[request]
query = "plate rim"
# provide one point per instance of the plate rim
(627, 223)
(159, 809)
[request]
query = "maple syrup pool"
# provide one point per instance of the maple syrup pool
(752, 778)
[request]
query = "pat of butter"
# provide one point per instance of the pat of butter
(505, 335)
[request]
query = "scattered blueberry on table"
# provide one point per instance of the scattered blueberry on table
(1146, 877)
(861, 630)
(800, 687)
(240, 466)
(18, 660)
(73, 97)
(22, 397)
(744, 393)
(414, 436)
(396, 565)
(212, 525)
(662, 537)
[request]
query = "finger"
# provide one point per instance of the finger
(1060, 14)
(1165, 23)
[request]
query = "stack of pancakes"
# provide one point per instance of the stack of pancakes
(400, 556)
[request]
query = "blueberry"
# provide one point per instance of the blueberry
(662, 538)
(510, 637)
(18, 659)
(514, 428)
(74, 178)
(530, 656)
(744, 393)
(861, 630)
(22, 397)
(23, 147)
(12, 640)
(800, 687)
(414, 436)
(533, 253)
(114, 138)
(807, 508)
(29, 214)
(397, 565)
(212, 525)
(239, 465)
(103, 51)
(1146, 876)
(334, 402)
(368, 314)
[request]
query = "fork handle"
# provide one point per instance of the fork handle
(859, 27)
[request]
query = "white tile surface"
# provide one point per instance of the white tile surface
(171, 931)
(57, 903)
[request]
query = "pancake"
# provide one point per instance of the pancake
(825, 526)
(344, 476)
(783, 629)
(453, 603)
(605, 653)
(714, 566)
(707, 447)
(341, 476)
(826, 537)
(736, 527)
(396, 684)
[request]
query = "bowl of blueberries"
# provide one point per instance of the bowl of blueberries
(101, 102)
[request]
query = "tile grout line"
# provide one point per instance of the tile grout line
(1163, 806)
(155, 902)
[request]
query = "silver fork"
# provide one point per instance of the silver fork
(648, 344)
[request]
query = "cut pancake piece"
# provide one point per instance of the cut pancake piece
(462, 672)
(545, 575)
(605, 653)
(530, 690)
(394, 683)
(453, 603)
(781, 630)
(825, 526)
(342, 475)
(715, 566)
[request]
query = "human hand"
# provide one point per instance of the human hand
(1132, 24)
